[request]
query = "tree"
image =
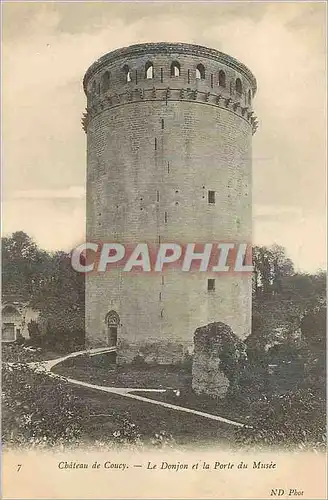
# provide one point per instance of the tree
(313, 327)
(60, 301)
(23, 265)
(271, 266)
(49, 284)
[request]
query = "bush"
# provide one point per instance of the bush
(14, 353)
(138, 361)
(34, 333)
(38, 409)
(293, 419)
(63, 340)
(313, 327)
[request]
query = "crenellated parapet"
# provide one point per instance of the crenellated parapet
(170, 72)
(107, 101)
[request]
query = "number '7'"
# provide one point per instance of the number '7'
(19, 467)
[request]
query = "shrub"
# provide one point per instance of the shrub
(293, 419)
(138, 360)
(34, 333)
(163, 439)
(14, 353)
(126, 433)
(38, 408)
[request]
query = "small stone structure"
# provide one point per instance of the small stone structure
(16, 315)
(218, 358)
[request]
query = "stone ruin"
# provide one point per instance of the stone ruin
(219, 357)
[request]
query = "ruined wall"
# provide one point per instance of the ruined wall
(217, 361)
(156, 146)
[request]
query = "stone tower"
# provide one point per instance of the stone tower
(169, 129)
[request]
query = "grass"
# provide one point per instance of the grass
(108, 410)
(102, 370)
(227, 407)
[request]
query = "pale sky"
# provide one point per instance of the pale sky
(47, 47)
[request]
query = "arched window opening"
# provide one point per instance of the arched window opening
(175, 68)
(105, 79)
(222, 78)
(10, 311)
(239, 87)
(249, 97)
(149, 70)
(127, 72)
(200, 72)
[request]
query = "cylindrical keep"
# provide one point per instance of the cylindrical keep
(169, 129)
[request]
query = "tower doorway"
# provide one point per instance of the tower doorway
(112, 323)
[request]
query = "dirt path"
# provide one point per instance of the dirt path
(124, 391)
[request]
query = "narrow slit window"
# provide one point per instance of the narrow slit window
(249, 97)
(211, 285)
(160, 296)
(127, 73)
(105, 81)
(188, 75)
(162, 280)
(168, 167)
(162, 123)
(136, 75)
(165, 217)
(211, 197)
(161, 75)
(155, 144)
(157, 195)
(212, 80)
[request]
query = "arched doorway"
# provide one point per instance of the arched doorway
(112, 322)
